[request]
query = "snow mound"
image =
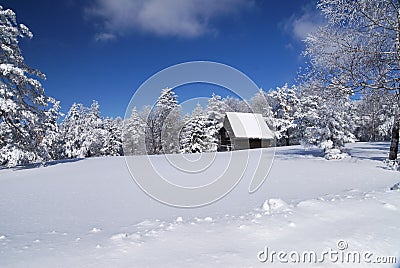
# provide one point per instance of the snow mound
(389, 206)
(206, 219)
(335, 154)
(275, 205)
(95, 230)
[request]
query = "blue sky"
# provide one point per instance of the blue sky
(105, 49)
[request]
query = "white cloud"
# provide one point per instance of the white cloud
(104, 37)
(305, 23)
(181, 18)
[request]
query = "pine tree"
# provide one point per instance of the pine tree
(195, 138)
(113, 137)
(134, 134)
(308, 117)
(52, 143)
(259, 104)
(24, 107)
(94, 134)
(72, 129)
(83, 131)
(165, 123)
(232, 104)
(215, 112)
(328, 122)
(170, 131)
(284, 103)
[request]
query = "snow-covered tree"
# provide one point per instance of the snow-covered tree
(83, 131)
(259, 104)
(196, 138)
(184, 135)
(24, 107)
(327, 122)
(52, 143)
(232, 104)
(113, 137)
(170, 131)
(358, 50)
(376, 111)
(163, 124)
(147, 115)
(284, 103)
(133, 134)
(308, 116)
(198, 111)
(216, 110)
(94, 134)
(72, 129)
(215, 113)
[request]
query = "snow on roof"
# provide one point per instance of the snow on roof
(249, 125)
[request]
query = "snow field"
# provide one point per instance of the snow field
(89, 213)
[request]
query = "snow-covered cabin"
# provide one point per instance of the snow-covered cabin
(244, 131)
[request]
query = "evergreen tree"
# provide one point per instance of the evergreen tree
(134, 134)
(308, 117)
(83, 131)
(170, 131)
(284, 103)
(184, 135)
(149, 118)
(94, 134)
(72, 129)
(113, 137)
(164, 123)
(328, 122)
(195, 136)
(215, 112)
(52, 143)
(232, 104)
(259, 104)
(24, 107)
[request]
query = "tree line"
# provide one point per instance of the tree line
(350, 91)
(297, 116)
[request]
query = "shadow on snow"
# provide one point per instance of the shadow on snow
(45, 164)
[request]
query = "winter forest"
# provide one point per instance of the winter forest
(189, 175)
(347, 93)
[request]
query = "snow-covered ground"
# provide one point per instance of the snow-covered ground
(90, 213)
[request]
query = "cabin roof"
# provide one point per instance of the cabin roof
(249, 125)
